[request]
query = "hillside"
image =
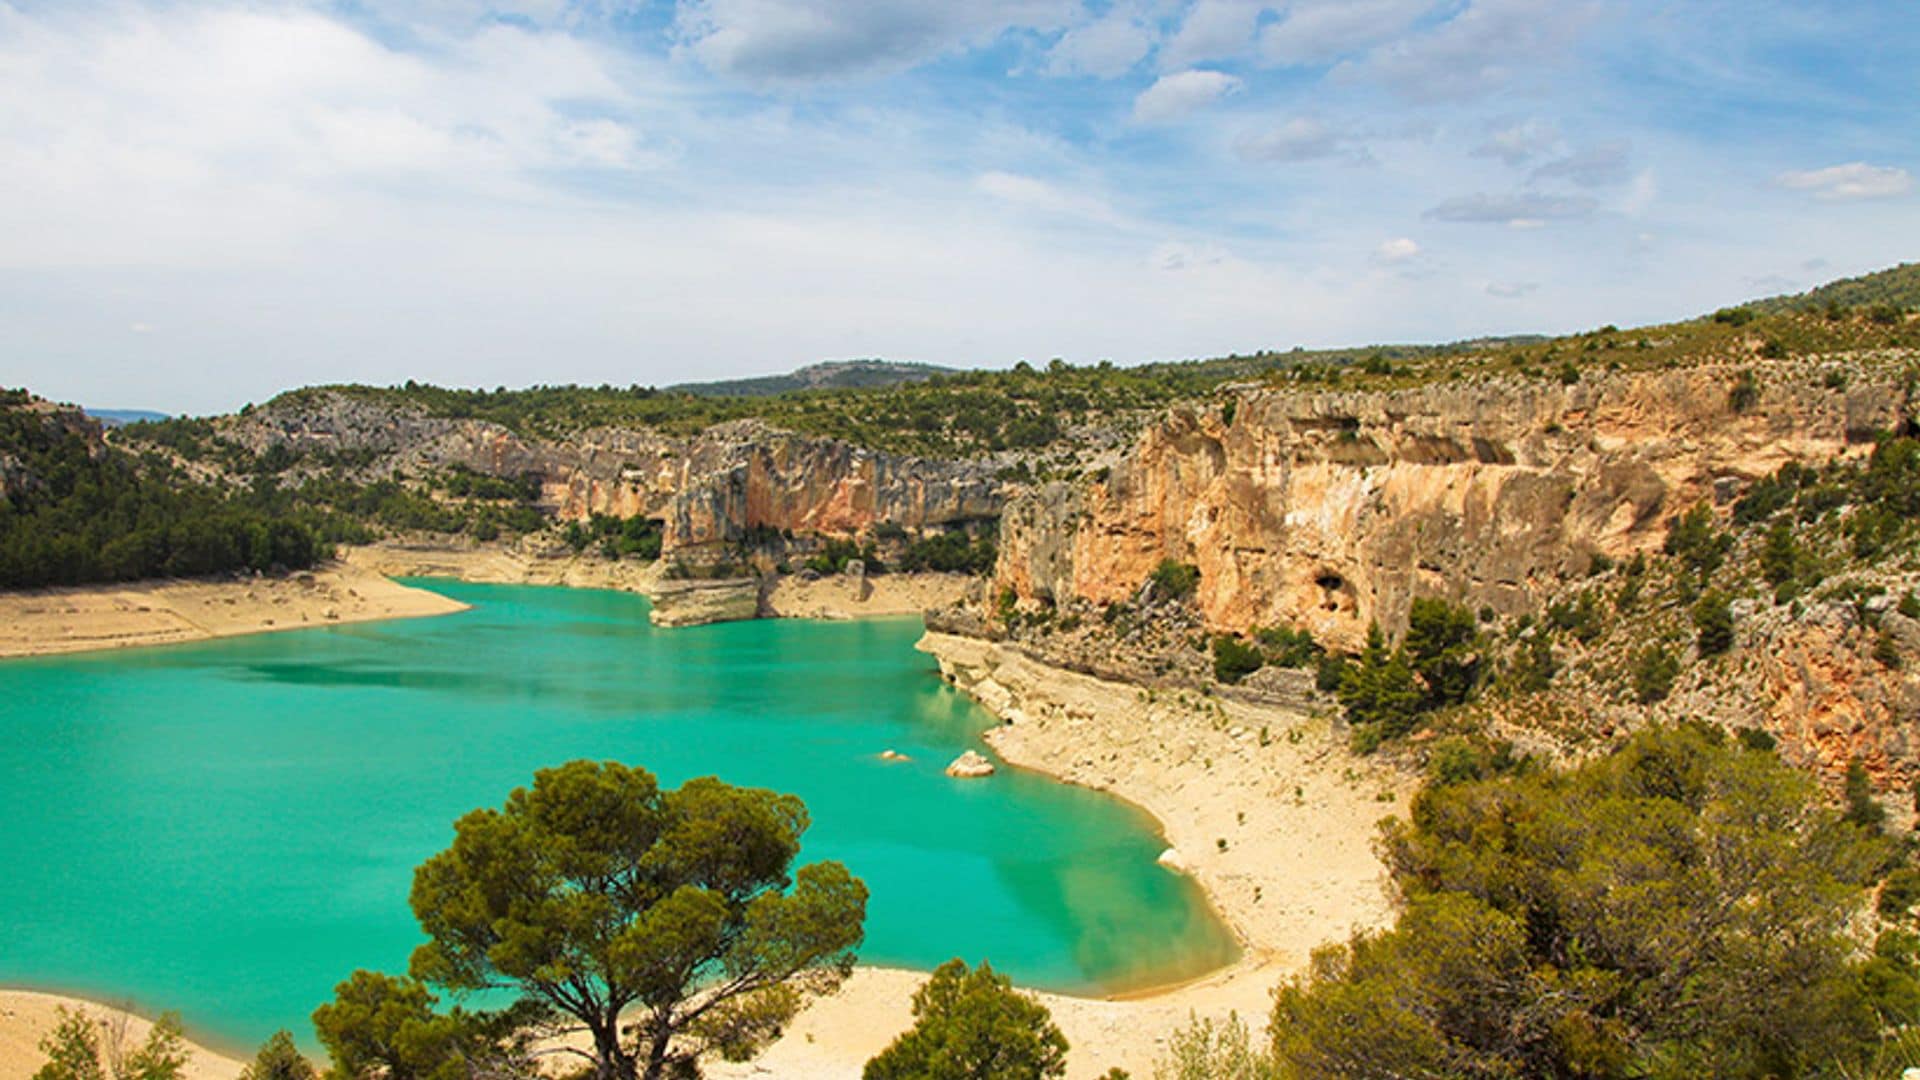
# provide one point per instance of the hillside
(1895, 287)
(830, 375)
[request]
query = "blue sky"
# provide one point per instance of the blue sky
(204, 203)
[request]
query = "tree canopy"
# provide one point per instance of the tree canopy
(82, 1048)
(973, 1025)
(597, 893)
(1678, 908)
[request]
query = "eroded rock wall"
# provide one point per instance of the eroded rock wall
(710, 490)
(1331, 510)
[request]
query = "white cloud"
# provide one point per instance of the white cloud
(1521, 210)
(1299, 139)
(1597, 166)
(1516, 144)
(1397, 250)
(1174, 96)
(1478, 50)
(1213, 30)
(1322, 31)
(1511, 290)
(798, 41)
(1106, 47)
(1850, 182)
(1036, 194)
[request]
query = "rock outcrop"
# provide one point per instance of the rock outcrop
(970, 765)
(710, 491)
(1329, 510)
(697, 603)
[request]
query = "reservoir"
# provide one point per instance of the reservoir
(229, 828)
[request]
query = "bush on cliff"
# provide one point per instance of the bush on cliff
(1174, 579)
(1677, 908)
(1386, 692)
(1234, 659)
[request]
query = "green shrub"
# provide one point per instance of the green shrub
(1234, 659)
(1713, 623)
(1653, 673)
(1175, 579)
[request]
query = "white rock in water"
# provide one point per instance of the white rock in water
(893, 755)
(970, 765)
(1174, 861)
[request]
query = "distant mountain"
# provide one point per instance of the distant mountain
(116, 417)
(1899, 286)
(832, 375)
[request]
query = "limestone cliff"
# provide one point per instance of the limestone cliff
(1330, 510)
(709, 490)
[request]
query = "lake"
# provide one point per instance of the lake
(229, 828)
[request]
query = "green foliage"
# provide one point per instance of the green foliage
(1534, 666)
(1697, 543)
(617, 538)
(81, 1048)
(1652, 673)
(1862, 808)
(973, 1025)
(1899, 893)
(595, 893)
(1895, 287)
(1579, 617)
(280, 1059)
(1175, 579)
(1745, 392)
(378, 1027)
(1713, 623)
(1679, 908)
(1753, 738)
(1734, 316)
(839, 551)
(1234, 659)
(950, 552)
(1442, 645)
(92, 514)
(1379, 693)
(1287, 647)
(1204, 1050)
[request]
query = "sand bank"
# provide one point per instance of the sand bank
(42, 622)
(26, 1017)
(1267, 809)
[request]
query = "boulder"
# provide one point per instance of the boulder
(970, 765)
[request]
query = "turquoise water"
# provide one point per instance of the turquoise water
(230, 828)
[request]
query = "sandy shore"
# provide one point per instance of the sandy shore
(1296, 811)
(26, 1017)
(47, 621)
(841, 597)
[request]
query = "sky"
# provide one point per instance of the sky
(202, 204)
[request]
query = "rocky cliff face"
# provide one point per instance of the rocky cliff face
(710, 490)
(1332, 510)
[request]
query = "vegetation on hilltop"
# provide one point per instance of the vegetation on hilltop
(1896, 287)
(76, 511)
(971, 413)
(832, 375)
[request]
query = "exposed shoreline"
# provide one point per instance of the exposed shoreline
(90, 618)
(1296, 810)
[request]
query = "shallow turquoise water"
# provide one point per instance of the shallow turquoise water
(230, 828)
